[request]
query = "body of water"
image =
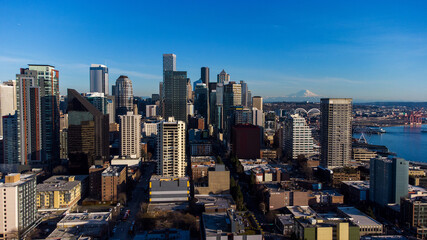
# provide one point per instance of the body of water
(407, 142)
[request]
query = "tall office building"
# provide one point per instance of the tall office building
(257, 117)
(232, 97)
(175, 95)
(169, 62)
(88, 130)
(201, 101)
(249, 98)
(99, 78)
(130, 135)
(223, 77)
(12, 83)
(245, 100)
(124, 95)
(189, 90)
(151, 111)
(10, 139)
(111, 108)
(18, 209)
(388, 180)
(171, 148)
(257, 102)
(204, 75)
(98, 100)
(29, 120)
(297, 137)
(7, 102)
(335, 131)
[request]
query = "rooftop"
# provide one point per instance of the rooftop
(60, 183)
(113, 170)
(23, 178)
(358, 217)
(85, 218)
(302, 211)
(361, 185)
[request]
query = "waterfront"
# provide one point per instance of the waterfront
(407, 142)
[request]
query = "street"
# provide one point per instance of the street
(122, 228)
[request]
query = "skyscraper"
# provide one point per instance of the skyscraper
(297, 137)
(7, 101)
(245, 95)
(169, 62)
(171, 158)
(88, 131)
(124, 95)
(204, 75)
(98, 100)
(130, 135)
(201, 101)
(48, 81)
(29, 120)
(99, 78)
(223, 77)
(257, 102)
(335, 131)
(175, 95)
(388, 180)
(232, 97)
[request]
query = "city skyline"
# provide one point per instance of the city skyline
(365, 54)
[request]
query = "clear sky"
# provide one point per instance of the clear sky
(367, 50)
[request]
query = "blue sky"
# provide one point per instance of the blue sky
(367, 50)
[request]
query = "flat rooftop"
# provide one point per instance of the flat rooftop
(113, 170)
(24, 178)
(357, 217)
(86, 218)
(302, 211)
(361, 185)
(60, 183)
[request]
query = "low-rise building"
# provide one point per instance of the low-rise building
(413, 212)
(355, 191)
(218, 182)
(82, 226)
(170, 233)
(200, 166)
(285, 224)
(114, 184)
(367, 225)
(311, 226)
(169, 189)
(363, 154)
(328, 197)
(60, 192)
(18, 205)
(230, 225)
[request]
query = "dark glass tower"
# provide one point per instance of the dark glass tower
(175, 95)
(204, 75)
(88, 138)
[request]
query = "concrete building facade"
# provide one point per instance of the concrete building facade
(130, 135)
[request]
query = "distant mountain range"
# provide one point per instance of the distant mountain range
(301, 96)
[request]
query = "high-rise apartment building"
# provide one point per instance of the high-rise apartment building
(175, 95)
(29, 120)
(171, 158)
(297, 137)
(223, 77)
(88, 130)
(99, 78)
(124, 95)
(18, 210)
(7, 102)
(204, 75)
(388, 180)
(130, 135)
(10, 139)
(335, 131)
(169, 62)
(257, 102)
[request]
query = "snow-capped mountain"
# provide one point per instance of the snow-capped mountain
(301, 96)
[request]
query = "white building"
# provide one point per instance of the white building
(99, 78)
(130, 135)
(7, 101)
(150, 129)
(171, 148)
(18, 205)
(257, 117)
(297, 139)
(151, 111)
